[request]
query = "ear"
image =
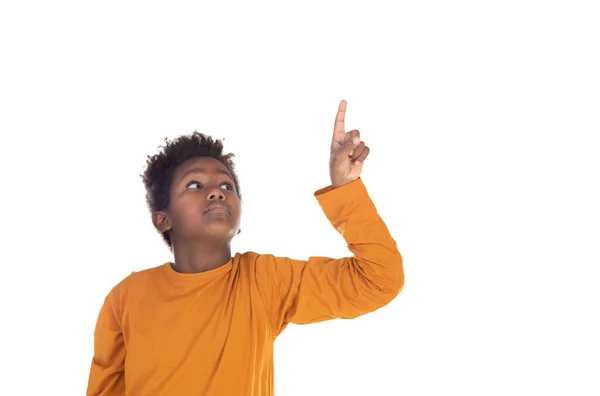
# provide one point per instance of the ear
(161, 221)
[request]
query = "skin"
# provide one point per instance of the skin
(201, 237)
(200, 231)
(348, 152)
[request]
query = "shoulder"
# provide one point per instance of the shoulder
(136, 280)
(259, 261)
(146, 274)
(263, 267)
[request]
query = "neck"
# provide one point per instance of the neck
(197, 257)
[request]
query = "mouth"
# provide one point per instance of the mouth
(217, 207)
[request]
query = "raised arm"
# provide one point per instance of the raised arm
(322, 288)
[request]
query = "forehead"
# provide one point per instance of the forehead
(207, 165)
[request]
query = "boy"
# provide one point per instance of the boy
(205, 324)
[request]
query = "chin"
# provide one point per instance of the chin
(220, 232)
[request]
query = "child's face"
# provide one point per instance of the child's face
(203, 201)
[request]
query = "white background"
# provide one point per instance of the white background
(482, 118)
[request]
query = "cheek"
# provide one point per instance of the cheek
(236, 206)
(235, 203)
(184, 208)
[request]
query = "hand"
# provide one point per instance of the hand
(348, 153)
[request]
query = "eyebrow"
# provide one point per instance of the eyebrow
(203, 170)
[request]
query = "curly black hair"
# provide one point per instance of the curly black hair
(160, 167)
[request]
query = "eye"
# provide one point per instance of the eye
(228, 185)
(192, 183)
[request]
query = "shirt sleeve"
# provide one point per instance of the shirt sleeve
(323, 288)
(107, 377)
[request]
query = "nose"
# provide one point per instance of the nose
(215, 194)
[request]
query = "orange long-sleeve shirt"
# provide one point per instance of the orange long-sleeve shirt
(160, 332)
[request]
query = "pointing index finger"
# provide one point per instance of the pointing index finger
(339, 128)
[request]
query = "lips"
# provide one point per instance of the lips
(217, 207)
